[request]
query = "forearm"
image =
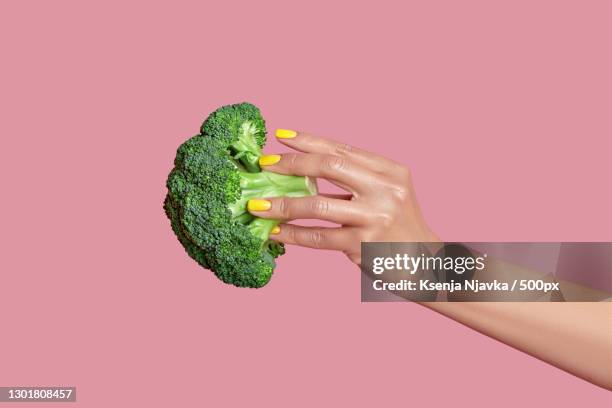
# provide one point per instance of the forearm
(576, 337)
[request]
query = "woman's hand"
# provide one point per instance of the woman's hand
(380, 204)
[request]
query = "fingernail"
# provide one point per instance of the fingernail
(257, 204)
(275, 230)
(269, 159)
(285, 133)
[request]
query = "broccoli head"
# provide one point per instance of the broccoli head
(215, 174)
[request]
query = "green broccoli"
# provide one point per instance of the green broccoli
(215, 174)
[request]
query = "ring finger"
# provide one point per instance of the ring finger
(317, 207)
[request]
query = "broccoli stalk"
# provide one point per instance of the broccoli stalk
(267, 184)
(245, 149)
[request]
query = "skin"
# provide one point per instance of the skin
(381, 205)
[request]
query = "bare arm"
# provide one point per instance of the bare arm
(575, 337)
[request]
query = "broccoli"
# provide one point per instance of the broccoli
(215, 174)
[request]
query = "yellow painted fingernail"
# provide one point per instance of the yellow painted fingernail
(285, 133)
(257, 204)
(275, 230)
(269, 159)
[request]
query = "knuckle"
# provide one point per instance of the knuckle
(320, 207)
(316, 238)
(283, 207)
(343, 149)
(291, 233)
(292, 162)
(335, 163)
(401, 194)
(385, 219)
(401, 189)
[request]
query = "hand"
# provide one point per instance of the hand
(381, 204)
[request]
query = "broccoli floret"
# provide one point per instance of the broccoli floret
(215, 174)
(242, 129)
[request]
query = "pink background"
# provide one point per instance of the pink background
(501, 111)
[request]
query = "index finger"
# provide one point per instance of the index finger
(339, 170)
(308, 143)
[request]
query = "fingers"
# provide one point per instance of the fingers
(307, 143)
(315, 237)
(316, 207)
(340, 170)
